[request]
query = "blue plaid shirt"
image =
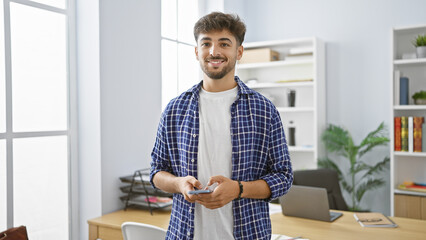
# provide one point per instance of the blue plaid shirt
(259, 151)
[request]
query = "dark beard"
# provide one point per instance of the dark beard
(218, 75)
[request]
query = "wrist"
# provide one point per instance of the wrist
(240, 190)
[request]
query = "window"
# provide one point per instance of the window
(34, 117)
(180, 69)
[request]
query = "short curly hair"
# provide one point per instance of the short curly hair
(218, 21)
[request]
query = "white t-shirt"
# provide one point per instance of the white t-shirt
(214, 158)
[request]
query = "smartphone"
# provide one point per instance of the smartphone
(199, 191)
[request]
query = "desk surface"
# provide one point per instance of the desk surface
(344, 227)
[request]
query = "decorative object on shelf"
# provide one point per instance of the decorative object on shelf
(419, 98)
(252, 81)
(340, 141)
(291, 95)
(420, 44)
(291, 134)
(403, 91)
(409, 56)
(259, 55)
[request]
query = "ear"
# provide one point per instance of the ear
(240, 51)
(196, 53)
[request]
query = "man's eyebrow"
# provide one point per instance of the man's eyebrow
(205, 39)
(225, 39)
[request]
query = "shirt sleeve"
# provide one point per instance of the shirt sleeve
(160, 160)
(280, 173)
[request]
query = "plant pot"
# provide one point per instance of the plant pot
(420, 101)
(421, 52)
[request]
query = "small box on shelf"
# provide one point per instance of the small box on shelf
(259, 55)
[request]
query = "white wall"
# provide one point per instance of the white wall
(130, 57)
(89, 124)
(119, 91)
(358, 38)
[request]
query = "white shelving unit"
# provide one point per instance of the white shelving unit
(406, 166)
(304, 74)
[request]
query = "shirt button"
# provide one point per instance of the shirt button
(189, 233)
(190, 210)
(194, 135)
(192, 160)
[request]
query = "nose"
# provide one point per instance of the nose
(214, 51)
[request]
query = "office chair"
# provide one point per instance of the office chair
(324, 178)
(141, 231)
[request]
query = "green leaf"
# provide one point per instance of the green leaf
(378, 167)
(328, 163)
(369, 185)
(337, 140)
(360, 167)
(346, 186)
(373, 139)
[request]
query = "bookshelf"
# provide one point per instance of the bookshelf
(406, 166)
(304, 73)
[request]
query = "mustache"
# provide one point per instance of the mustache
(215, 58)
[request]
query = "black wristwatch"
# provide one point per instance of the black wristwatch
(241, 189)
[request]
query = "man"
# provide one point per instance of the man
(221, 132)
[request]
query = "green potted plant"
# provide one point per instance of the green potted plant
(420, 44)
(361, 176)
(420, 98)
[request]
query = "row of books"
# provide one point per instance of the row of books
(408, 132)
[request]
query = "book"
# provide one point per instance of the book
(396, 88)
(404, 134)
(410, 134)
(412, 186)
(374, 219)
(424, 138)
(417, 134)
(403, 91)
(397, 133)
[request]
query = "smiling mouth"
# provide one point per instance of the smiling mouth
(215, 62)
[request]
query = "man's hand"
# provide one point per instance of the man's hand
(186, 184)
(226, 191)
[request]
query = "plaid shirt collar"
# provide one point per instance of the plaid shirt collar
(242, 89)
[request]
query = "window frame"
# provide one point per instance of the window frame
(70, 132)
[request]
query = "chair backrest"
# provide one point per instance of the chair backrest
(141, 231)
(325, 178)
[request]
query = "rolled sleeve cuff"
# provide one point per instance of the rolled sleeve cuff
(279, 185)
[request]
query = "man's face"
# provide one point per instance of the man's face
(218, 53)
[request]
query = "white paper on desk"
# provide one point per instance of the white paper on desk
(284, 237)
(274, 208)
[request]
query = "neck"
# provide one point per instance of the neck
(219, 85)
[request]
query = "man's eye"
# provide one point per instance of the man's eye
(225, 45)
(205, 44)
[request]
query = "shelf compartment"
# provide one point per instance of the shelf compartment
(410, 154)
(300, 149)
(415, 61)
(281, 63)
(295, 109)
(409, 107)
(281, 85)
(405, 192)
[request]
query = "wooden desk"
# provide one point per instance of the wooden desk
(108, 227)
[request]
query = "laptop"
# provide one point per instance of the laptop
(308, 202)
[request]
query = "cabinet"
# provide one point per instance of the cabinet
(410, 206)
(300, 67)
(406, 166)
